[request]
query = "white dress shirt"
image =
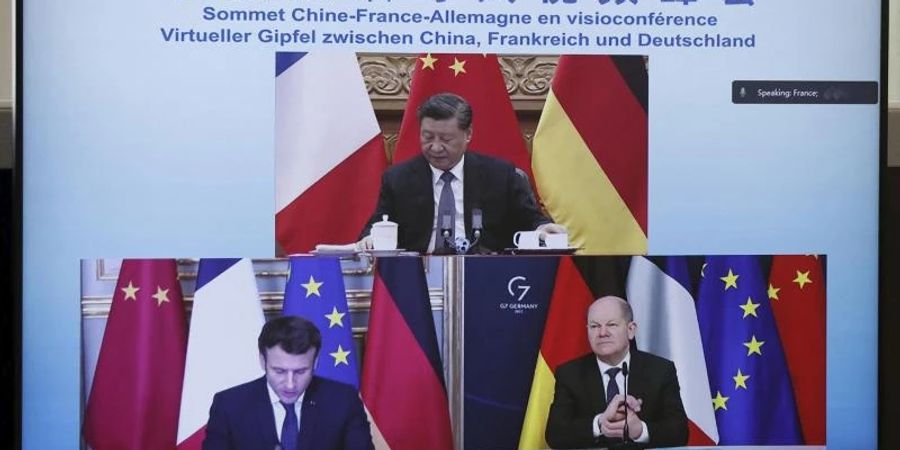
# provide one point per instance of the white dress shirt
(459, 222)
(620, 382)
(279, 411)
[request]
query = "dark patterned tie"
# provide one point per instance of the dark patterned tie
(446, 207)
(612, 388)
(289, 428)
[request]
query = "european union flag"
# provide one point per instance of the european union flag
(315, 291)
(751, 393)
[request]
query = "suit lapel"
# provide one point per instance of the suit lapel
(265, 418)
(594, 382)
(471, 181)
(308, 418)
(637, 376)
(425, 188)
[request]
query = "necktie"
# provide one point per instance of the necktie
(446, 208)
(612, 388)
(289, 429)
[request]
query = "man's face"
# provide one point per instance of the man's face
(289, 375)
(608, 331)
(443, 142)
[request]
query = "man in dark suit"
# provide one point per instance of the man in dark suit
(441, 188)
(289, 408)
(589, 406)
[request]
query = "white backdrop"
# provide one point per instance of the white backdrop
(134, 146)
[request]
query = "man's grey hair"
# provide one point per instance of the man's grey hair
(627, 313)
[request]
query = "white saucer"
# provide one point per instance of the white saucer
(542, 251)
(379, 253)
(337, 253)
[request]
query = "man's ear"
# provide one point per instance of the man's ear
(262, 362)
(469, 134)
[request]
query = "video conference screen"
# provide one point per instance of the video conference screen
(731, 133)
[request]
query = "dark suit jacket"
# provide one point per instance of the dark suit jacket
(332, 417)
(579, 396)
(505, 198)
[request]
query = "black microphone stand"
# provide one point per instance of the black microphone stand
(447, 247)
(627, 442)
(625, 437)
(477, 229)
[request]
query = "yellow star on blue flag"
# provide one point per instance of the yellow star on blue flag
(742, 345)
(322, 277)
(312, 287)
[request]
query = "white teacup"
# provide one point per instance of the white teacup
(558, 240)
(384, 235)
(527, 239)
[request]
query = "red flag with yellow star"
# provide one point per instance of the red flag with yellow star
(797, 295)
(136, 392)
(478, 79)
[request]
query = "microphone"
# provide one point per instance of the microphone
(446, 224)
(476, 222)
(625, 437)
(477, 228)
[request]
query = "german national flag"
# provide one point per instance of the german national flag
(402, 381)
(577, 285)
(590, 152)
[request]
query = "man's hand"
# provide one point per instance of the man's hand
(635, 426)
(612, 421)
(364, 243)
(551, 228)
(634, 404)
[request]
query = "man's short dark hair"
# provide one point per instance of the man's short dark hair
(295, 335)
(446, 106)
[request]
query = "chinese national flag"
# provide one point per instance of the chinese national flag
(135, 396)
(478, 79)
(797, 295)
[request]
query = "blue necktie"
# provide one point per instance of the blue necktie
(289, 430)
(446, 207)
(612, 388)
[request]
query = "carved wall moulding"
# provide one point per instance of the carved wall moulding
(387, 79)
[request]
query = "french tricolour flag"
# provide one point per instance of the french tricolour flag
(225, 323)
(660, 296)
(329, 150)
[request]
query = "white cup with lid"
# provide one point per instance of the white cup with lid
(384, 234)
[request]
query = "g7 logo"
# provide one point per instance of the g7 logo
(516, 283)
